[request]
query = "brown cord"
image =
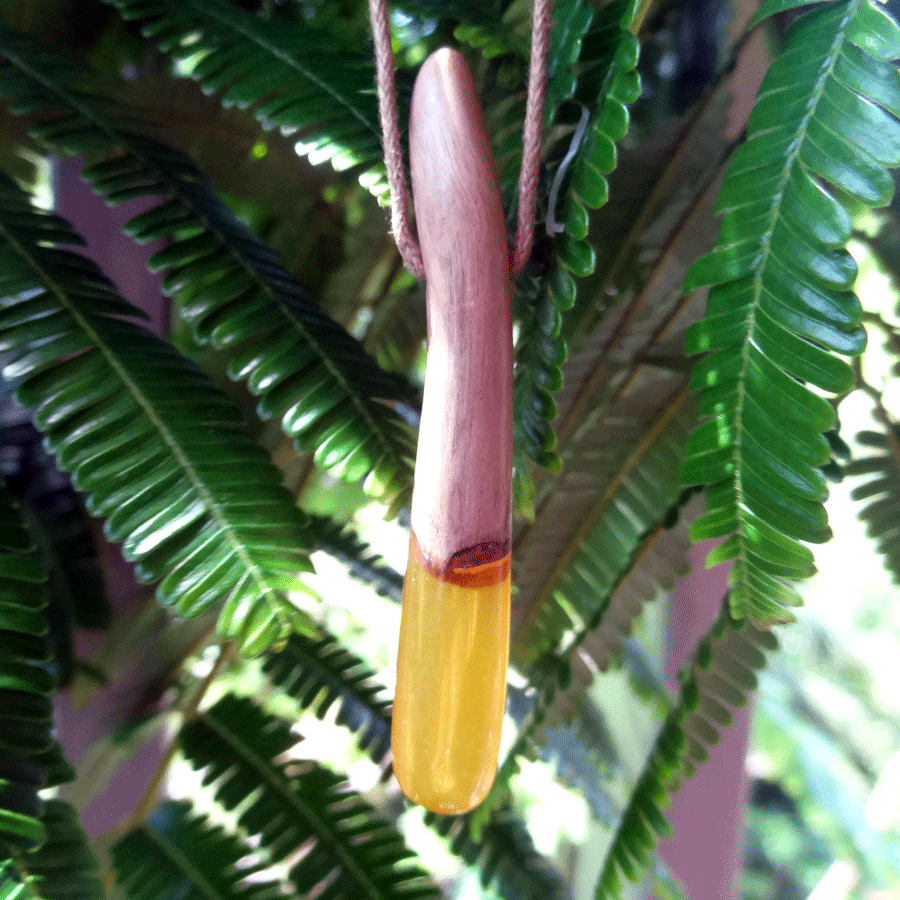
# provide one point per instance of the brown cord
(390, 136)
(531, 140)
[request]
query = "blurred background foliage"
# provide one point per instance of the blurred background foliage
(823, 820)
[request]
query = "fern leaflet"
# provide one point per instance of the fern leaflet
(781, 300)
(320, 673)
(879, 493)
(177, 853)
(293, 78)
(234, 291)
(134, 423)
(721, 675)
(295, 803)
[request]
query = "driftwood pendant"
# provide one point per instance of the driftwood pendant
(454, 632)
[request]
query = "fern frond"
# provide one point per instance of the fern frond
(537, 376)
(297, 804)
(134, 423)
(560, 681)
(578, 763)
(721, 675)
(571, 21)
(507, 36)
(177, 853)
(64, 867)
(51, 855)
(234, 291)
(341, 542)
(56, 520)
(633, 309)
(879, 491)
(615, 491)
(604, 45)
(292, 77)
(659, 561)
(781, 302)
(595, 550)
(26, 710)
(611, 51)
(321, 673)
(504, 855)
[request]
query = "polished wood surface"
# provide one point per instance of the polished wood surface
(461, 499)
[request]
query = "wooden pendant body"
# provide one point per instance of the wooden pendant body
(455, 622)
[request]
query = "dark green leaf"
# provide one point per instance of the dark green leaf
(782, 302)
(219, 528)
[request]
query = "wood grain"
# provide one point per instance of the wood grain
(461, 498)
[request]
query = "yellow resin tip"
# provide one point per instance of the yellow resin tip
(451, 683)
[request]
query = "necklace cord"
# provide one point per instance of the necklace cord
(393, 154)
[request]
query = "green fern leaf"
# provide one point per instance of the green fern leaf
(612, 495)
(504, 854)
(341, 542)
(539, 356)
(234, 291)
(12, 887)
(879, 492)
(320, 673)
(26, 710)
(721, 675)
(660, 559)
(64, 867)
(51, 855)
(134, 423)
(293, 78)
(603, 44)
(571, 22)
(295, 804)
(177, 853)
(781, 300)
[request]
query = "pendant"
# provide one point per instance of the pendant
(454, 632)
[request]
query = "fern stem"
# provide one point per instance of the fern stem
(641, 14)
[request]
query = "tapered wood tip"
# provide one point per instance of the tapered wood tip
(444, 59)
(455, 187)
(445, 86)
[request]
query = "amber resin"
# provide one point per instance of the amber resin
(451, 681)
